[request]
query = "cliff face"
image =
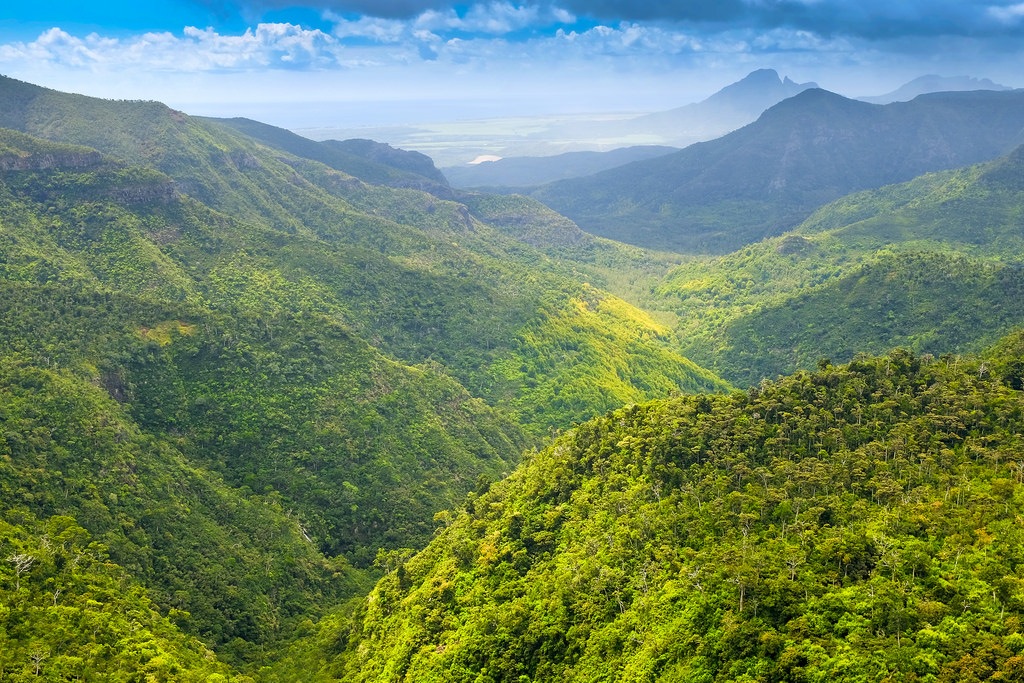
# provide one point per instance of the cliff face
(96, 178)
(46, 161)
(145, 192)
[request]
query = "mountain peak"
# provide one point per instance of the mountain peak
(811, 100)
(762, 75)
(758, 90)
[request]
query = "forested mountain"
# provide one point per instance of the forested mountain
(861, 522)
(765, 178)
(935, 265)
(241, 373)
(372, 162)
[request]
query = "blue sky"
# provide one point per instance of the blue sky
(300, 62)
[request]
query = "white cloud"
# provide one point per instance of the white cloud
(58, 46)
(1009, 14)
(488, 19)
(373, 28)
(631, 39)
(495, 18)
(266, 46)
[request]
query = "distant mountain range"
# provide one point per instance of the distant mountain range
(449, 144)
(732, 107)
(728, 109)
(933, 83)
(768, 176)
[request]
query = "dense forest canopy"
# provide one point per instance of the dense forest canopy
(858, 522)
(244, 373)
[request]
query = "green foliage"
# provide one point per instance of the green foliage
(598, 355)
(933, 303)
(68, 613)
(238, 566)
(933, 265)
(856, 523)
(245, 372)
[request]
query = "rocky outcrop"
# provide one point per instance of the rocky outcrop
(136, 194)
(46, 161)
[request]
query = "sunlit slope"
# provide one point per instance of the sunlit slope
(856, 522)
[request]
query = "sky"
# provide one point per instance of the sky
(306, 63)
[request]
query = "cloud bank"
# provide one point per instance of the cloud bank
(607, 50)
(870, 19)
(406, 31)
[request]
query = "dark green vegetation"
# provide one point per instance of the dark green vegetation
(96, 509)
(860, 522)
(68, 613)
(374, 162)
(714, 197)
(237, 373)
(935, 265)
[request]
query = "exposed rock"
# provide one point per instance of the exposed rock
(48, 161)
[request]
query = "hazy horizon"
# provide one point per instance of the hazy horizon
(323, 63)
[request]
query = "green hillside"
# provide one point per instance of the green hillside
(861, 522)
(420, 278)
(235, 569)
(69, 613)
(245, 374)
(373, 162)
(933, 265)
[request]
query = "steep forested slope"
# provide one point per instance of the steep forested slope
(934, 264)
(716, 196)
(861, 522)
(237, 570)
(418, 277)
(373, 162)
(68, 613)
(242, 371)
(188, 316)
